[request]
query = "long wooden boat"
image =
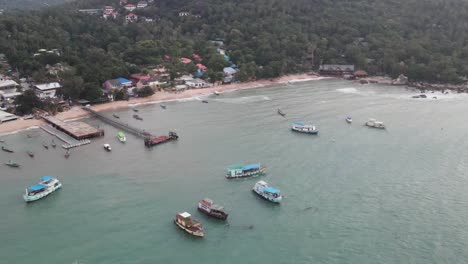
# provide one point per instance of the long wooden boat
(208, 207)
(12, 164)
(242, 171)
(30, 154)
(7, 149)
(189, 225)
(281, 113)
(303, 128)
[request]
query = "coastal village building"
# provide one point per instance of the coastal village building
(47, 90)
(130, 7)
(229, 74)
(90, 11)
(184, 14)
(185, 60)
(196, 83)
(335, 69)
(8, 89)
(109, 14)
(142, 4)
(118, 83)
(131, 17)
(5, 117)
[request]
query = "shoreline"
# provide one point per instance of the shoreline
(76, 112)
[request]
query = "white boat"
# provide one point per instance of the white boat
(216, 93)
(46, 186)
(269, 193)
(107, 147)
(375, 124)
(349, 120)
(303, 128)
(121, 136)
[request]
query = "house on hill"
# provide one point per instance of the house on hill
(119, 83)
(142, 4)
(8, 89)
(131, 17)
(184, 14)
(336, 69)
(130, 7)
(360, 74)
(47, 90)
(108, 9)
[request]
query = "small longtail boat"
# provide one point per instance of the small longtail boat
(67, 154)
(45, 145)
(116, 116)
(163, 106)
(137, 117)
(30, 154)
(281, 113)
(12, 164)
(53, 144)
(135, 110)
(7, 149)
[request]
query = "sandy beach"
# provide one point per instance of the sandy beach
(76, 112)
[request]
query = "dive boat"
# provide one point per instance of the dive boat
(121, 137)
(116, 116)
(163, 106)
(7, 149)
(30, 154)
(137, 117)
(349, 120)
(281, 113)
(375, 124)
(208, 207)
(241, 171)
(107, 147)
(46, 186)
(303, 128)
(269, 193)
(12, 164)
(191, 226)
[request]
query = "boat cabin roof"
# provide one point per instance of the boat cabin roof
(46, 178)
(185, 215)
(236, 167)
(251, 166)
(207, 201)
(262, 183)
(271, 190)
(36, 187)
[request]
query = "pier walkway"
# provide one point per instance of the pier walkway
(69, 141)
(132, 130)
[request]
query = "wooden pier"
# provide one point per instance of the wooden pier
(68, 143)
(77, 130)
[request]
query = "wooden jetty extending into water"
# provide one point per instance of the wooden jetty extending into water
(75, 129)
(149, 139)
(69, 143)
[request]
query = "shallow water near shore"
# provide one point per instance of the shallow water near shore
(352, 194)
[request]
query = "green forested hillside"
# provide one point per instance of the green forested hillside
(424, 39)
(29, 4)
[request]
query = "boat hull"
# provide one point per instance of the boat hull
(32, 198)
(247, 175)
(314, 132)
(270, 199)
(377, 127)
(217, 216)
(193, 233)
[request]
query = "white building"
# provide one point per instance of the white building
(130, 7)
(5, 116)
(47, 90)
(8, 89)
(142, 4)
(196, 83)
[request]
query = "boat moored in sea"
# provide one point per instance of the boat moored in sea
(204, 101)
(46, 186)
(137, 117)
(216, 93)
(242, 171)
(121, 136)
(189, 225)
(67, 154)
(12, 164)
(281, 113)
(30, 154)
(163, 106)
(7, 149)
(349, 120)
(269, 193)
(375, 124)
(45, 145)
(301, 127)
(116, 116)
(107, 147)
(135, 110)
(208, 207)
(53, 144)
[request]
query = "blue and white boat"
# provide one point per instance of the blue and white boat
(301, 127)
(46, 186)
(269, 193)
(242, 171)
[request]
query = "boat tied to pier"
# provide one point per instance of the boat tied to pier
(121, 136)
(375, 124)
(242, 171)
(7, 149)
(46, 186)
(301, 127)
(269, 193)
(189, 225)
(153, 141)
(208, 207)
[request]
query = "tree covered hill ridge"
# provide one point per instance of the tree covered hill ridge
(423, 39)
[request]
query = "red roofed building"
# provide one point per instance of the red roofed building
(185, 60)
(131, 17)
(196, 57)
(139, 77)
(130, 7)
(108, 9)
(201, 67)
(109, 14)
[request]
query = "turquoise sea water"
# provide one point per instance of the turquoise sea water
(352, 194)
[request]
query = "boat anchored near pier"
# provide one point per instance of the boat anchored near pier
(242, 171)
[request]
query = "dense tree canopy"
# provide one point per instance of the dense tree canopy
(424, 39)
